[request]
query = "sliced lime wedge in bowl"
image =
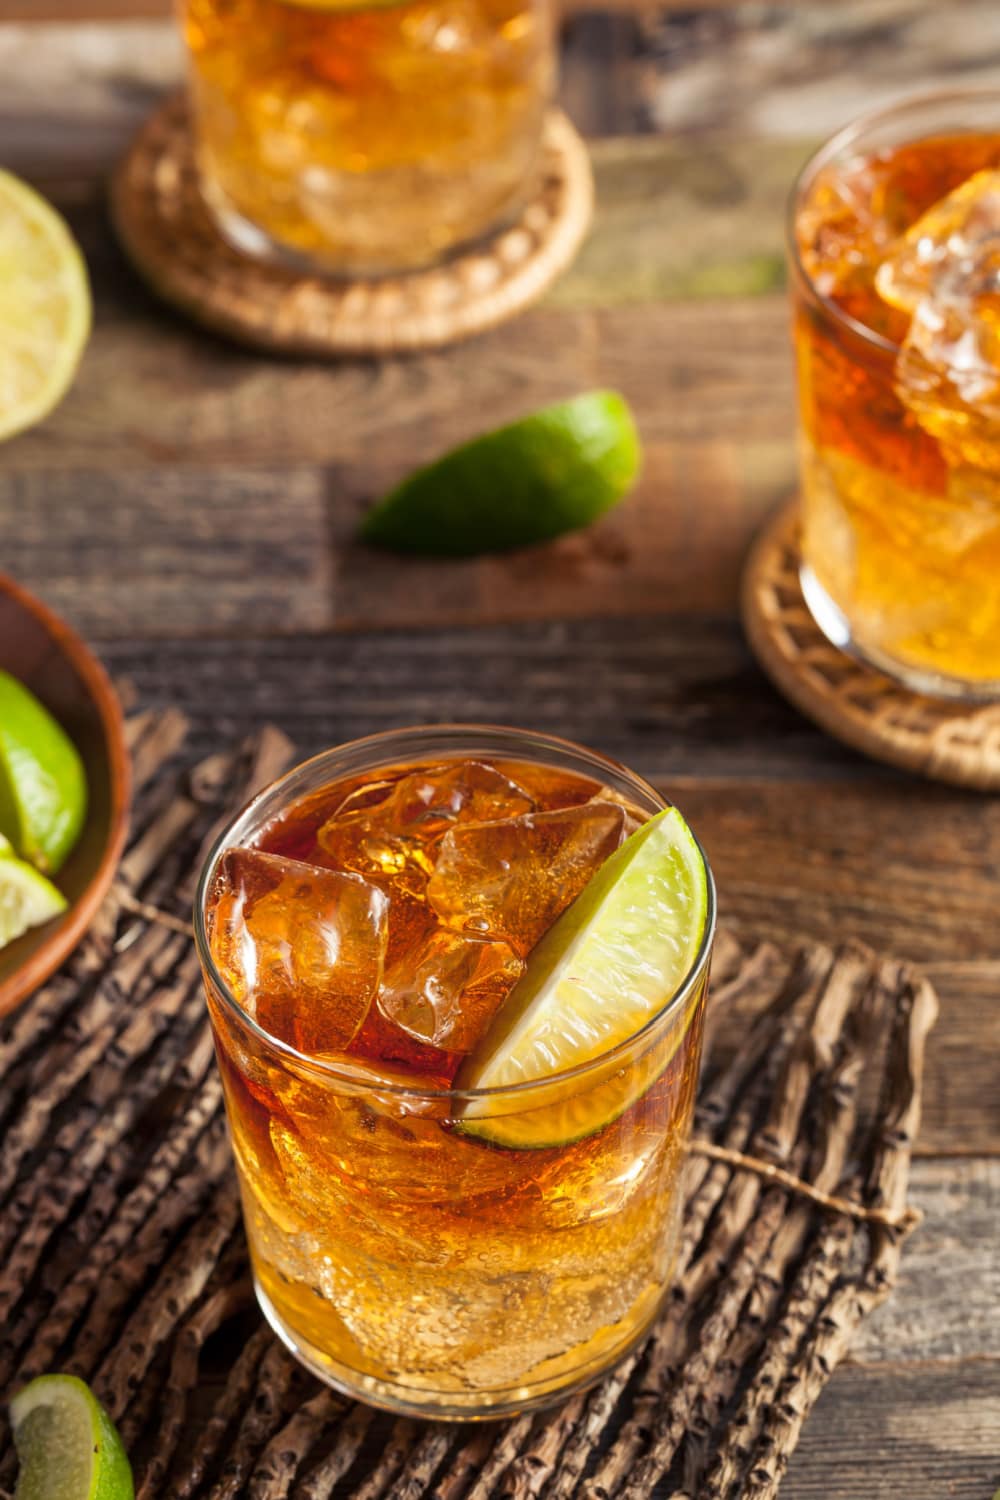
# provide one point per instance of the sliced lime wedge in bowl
(67, 1444)
(552, 472)
(602, 972)
(27, 899)
(43, 786)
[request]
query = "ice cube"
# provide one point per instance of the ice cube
(302, 948)
(511, 879)
(945, 272)
(447, 992)
(946, 241)
(394, 836)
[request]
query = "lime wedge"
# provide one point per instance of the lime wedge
(67, 1444)
(27, 899)
(552, 472)
(43, 789)
(44, 306)
(6, 847)
(606, 967)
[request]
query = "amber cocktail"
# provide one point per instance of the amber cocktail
(366, 137)
(424, 1243)
(896, 282)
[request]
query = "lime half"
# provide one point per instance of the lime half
(552, 472)
(67, 1444)
(608, 965)
(44, 306)
(43, 788)
(27, 899)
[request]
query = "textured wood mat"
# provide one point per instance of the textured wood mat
(122, 1257)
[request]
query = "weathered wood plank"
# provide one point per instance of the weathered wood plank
(151, 389)
(947, 1303)
(203, 550)
(169, 551)
(924, 1432)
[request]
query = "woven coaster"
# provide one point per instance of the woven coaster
(122, 1256)
(947, 741)
(168, 233)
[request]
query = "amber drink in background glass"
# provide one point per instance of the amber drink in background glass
(895, 255)
(366, 138)
(424, 1244)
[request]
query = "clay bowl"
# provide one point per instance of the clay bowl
(53, 662)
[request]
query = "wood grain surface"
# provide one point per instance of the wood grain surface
(192, 508)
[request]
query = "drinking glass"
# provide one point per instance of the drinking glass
(405, 1259)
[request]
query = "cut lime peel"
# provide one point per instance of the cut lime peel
(554, 471)
(616, 934)
(67, 1445)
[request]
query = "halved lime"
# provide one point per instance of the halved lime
(44, 306)
(611, 962)
(43, 787)
(27, 899)
(67, 1444)
(551, 472)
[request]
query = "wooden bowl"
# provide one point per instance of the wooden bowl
(51, 659)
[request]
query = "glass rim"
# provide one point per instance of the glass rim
(827, 152)
(512, 736)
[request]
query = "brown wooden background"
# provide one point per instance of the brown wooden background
(191, 507)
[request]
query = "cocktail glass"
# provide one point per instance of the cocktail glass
(366, 137)
(894, 244)
(431, 1249)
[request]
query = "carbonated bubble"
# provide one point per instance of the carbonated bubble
(301, 948)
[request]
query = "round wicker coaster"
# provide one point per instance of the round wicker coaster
(957, 743)
(167, 231)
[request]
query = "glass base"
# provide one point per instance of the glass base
(249, 239)
(835, 626)
(453, 1406)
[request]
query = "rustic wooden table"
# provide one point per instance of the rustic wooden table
(191, 507)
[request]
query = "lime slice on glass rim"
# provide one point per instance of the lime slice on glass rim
(44, 306)
(43, 786)
(602, 971)
(67, 1444)
(552, 472)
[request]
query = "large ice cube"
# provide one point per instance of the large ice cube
(511, 879)
(945, 271)
(447, 992)
(394, 836)
(301, 948)
(947, 239)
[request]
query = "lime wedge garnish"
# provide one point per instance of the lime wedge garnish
(606, 967)
(44, 306)
(67, 1444)
(27, 899)
(43, 788)
(551, 472)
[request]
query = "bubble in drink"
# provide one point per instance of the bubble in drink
(302, 948)
(448, 991)
(512, 879)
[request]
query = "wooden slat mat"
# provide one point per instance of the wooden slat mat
(122, 1257)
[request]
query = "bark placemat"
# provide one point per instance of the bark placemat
(938, 737)
(122, 1257)
(167, 231)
